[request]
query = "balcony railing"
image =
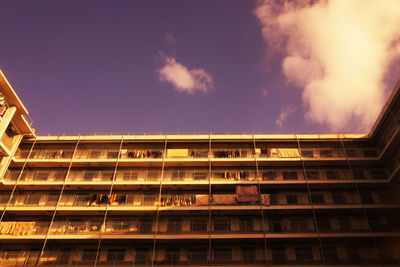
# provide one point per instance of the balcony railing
(218, 153)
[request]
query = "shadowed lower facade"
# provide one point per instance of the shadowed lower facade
(199, 199)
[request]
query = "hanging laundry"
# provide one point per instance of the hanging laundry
(265, 199)
(248, 193)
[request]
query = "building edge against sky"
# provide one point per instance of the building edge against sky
(212, 199)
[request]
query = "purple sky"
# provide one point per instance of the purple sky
(92, 66)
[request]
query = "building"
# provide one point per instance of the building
(199, 200)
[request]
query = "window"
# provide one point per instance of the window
(95, 154)
(317, 198)
(248, 255)
(358, 174)
(326, 153)
(269, 175)
(378, 174)
(197, 256)
(289, 175)
(33, 199)
(330, 254)
(89, 255)
(366, 197)
(171, 256)
(112, 154)
(312, 175)
(344, 223)
(304, 254)
(370, 153)
(291, 199)
(174, 226)
(278, 254)
(222, 225)
(198, 226)
(298, 224)
(145, 226)
(338, 197)
(222, 255)
(42, 175)
(89, 175)
(107, 175)
(332, 174)
(307, 153)
(199, 175)
(153, 175)
(142, 256)
(323, 224)
(351, 153)
(114, 255)
(246, 225)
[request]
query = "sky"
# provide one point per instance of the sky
(180, 66)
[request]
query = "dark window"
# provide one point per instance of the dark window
(199, 175)
(153, 175)
(278, 254)
(298, 224)
(248, 255)
(89, 175)
(222, 256)
(177, 175)
(338, 197)
(198, 226)
(222, 225)
(330, 255)
(145, 226)
(351, 153)
(89, 255)
(366, 197)
(289, 175)
(291, 199)
(344, 223)
(323, 224)
(332, 174)
(197, 256)
(307, 153)
(317, 199)
(116, 255)
(142, 256)
(378, 174)
(370, 153)
(172, 256)
(275, 225)
(42, 175)
(246, 225)
(312, 175)
(326, 153)
(174, 226)
(33, 200)
(304, 254)
(358, 174)
(269, 175)
(273, 198)
(112, 154)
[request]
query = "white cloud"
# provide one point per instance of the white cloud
(338, 52)
(286, 111)
(183, 79)
(169, 38)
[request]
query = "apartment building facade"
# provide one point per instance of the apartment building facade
(200, 199)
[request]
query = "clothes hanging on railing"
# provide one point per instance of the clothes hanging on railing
(247, 193)
(16, 228)
(144, 154)
(227, 154)
(106, 199)
(199, 154)
(285, 152)
(223, 199)
(265, 199)
(232, 175)
(178, 200)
